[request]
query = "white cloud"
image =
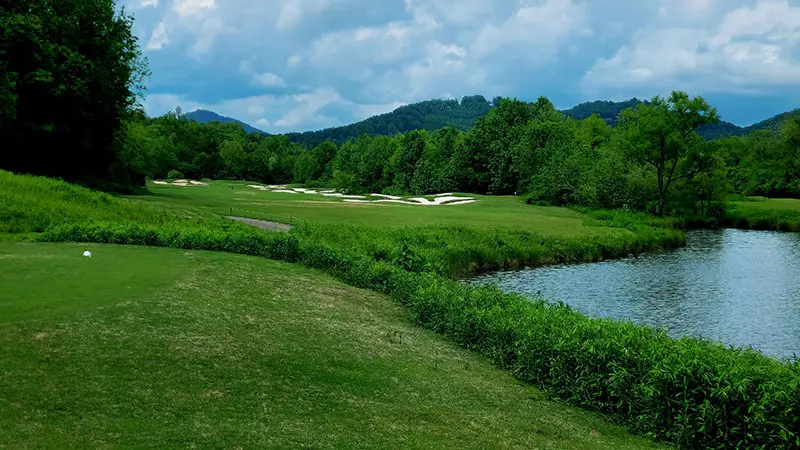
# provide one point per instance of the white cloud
(158, 38)
(186, 8)
(255, 110)
(536, 29)
(294, 60)
(267, 79)
(306, 106)
(751, 48)
(148, 4)
(262, 123)
(263, 79)
(293, 11)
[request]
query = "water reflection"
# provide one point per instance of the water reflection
(738, 287)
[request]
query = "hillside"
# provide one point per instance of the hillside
(204, 116)
(435, 114)
(428, 115)
(605, 109)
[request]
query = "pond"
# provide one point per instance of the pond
(737, 287)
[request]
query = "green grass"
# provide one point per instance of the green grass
(506, 213)
(32, 204)
(764, 214)
(147, 347)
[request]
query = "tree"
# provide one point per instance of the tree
(70, 71)
(236, 160)
(662, 134)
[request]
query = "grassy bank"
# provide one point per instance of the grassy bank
(142, 347)
(758, 213)
(691, 392)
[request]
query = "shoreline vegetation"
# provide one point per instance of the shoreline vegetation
(690, 392)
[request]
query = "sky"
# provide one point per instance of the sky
(297, 65)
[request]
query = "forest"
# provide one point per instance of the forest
(653, 160)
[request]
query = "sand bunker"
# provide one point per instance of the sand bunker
(438, 200)
(181, 182)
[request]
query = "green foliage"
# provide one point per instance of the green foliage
(429, 115)
(33, 204)
(174, 175)
(662, 135)
(70, 76)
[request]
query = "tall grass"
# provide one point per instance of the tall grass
(31, 204)
(457, 251)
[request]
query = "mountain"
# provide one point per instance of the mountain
(432, 115)
(427, 115)
(605, 109)
(203, 116)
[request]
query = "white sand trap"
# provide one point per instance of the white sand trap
(198, 183)
(463, 202)
(284, 191)
(351, 200)
(390, 197)
(443, 195)
(179, 181)
(336, 194)
(160, 182)
(304, 191)
(330, 191)
(277, 186)
(255, 186)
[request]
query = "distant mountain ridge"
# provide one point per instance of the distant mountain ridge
(204, 116)
(434, 114)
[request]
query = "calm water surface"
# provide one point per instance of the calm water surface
(738, 287)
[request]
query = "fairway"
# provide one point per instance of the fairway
(495, 212)
(144, 347)
(770, 205)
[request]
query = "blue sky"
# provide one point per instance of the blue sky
(295, 65)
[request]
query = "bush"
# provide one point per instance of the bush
(174, 175)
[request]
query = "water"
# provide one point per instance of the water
(741, 288)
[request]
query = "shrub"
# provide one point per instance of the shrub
(174, 175)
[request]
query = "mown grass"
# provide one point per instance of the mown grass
(504, 213)
(692, 392)
(149, 347)
(455, 241)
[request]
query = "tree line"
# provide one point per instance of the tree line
(71, 73)
(653, 160)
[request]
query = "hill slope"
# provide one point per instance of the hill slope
(432, 115)
(169, 348)
(204, 116)
(428, 115)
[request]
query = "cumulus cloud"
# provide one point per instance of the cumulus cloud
(330, 62)
(158, 38)
(749, 49)
(535, 29)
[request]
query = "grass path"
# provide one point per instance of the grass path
(144, 347)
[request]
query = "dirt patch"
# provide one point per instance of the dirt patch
(41, 335)
(263, 224)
